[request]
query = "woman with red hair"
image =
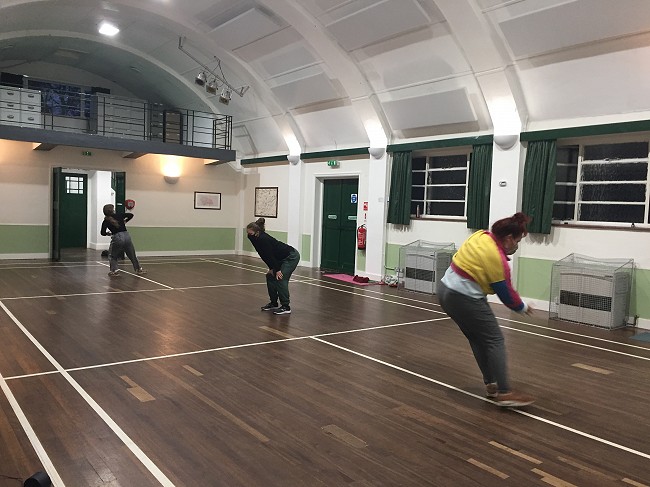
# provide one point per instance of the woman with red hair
(480, 267)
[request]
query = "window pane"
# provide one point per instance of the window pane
(450, 209)
(611, 213)
(563, 211)
(418, 163)
(414, 207)
(418, 177)
(444, 162)
(613, 192)
(446, 193)
(567, 155)
(613, 171)
(417, 193)
(447, 177)
(566, 174)
(565, 193)
(630, 150)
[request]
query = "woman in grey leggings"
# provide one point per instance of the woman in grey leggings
(480, 267)
(114, 224)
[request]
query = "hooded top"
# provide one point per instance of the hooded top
(272, 251)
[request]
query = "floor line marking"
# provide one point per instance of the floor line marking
(130, 444)
(139, 276)
(219, 349)
(476, 396)
(31, 435)
(436, 304)
(240, 264)
(577, 343)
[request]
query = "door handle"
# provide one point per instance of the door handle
(332, 217)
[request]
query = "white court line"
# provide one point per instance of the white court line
(623, 344)
(217, 261)
(453, 388)
(218, 349)
(130, 444)
(640, 357)
(141, 277)
(31, 435)
(102, 293)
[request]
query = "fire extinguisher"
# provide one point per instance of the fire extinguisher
(362, 233)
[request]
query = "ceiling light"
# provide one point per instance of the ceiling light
(200, 79)
(225, 96)
(108, 29)
(211, 87)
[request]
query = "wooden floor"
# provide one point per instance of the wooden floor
(178, 378)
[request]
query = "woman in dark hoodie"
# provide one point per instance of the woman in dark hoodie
(114, 224)
(281, 259)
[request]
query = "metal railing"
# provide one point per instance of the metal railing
(115, 117)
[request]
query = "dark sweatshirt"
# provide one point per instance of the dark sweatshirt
(272, 251)
(121, 218)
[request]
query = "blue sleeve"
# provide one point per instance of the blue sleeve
(508, 295)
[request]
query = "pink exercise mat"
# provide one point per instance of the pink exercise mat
(349, 279)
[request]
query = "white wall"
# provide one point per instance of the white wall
(100, 193)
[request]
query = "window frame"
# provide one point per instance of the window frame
(581, 142)
(446, 152)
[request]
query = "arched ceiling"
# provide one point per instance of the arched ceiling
(333, 74)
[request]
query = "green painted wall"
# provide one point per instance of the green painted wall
(24, 239)
(534, 278)
(182, 238)
(534, 281)
(361, 260)
(392, 258)
(305, 247)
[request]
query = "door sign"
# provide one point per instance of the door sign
(353, 198)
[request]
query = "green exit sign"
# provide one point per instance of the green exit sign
(86, 153)
(333, 163)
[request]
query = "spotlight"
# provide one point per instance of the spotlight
(225, 96)
(211, 87)
(200, 79)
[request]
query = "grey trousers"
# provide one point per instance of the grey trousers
(280, 289)
(122, 241)
(476, 320)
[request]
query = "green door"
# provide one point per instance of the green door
(56, 200)
(339, 244)
(73, 210)
(118, 183)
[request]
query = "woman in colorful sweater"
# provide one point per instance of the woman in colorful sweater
(480, 267)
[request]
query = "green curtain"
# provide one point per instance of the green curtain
(478, 191)
(539, 185)
(399, 203)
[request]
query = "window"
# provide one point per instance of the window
(439, 185)
(62, 99)
(74, 184)
(607, 183)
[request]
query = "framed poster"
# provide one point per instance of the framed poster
(207, 201)
(266, 202)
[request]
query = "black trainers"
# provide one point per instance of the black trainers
(270, 307)
(282, 310)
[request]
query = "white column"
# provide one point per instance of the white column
(294, 210)
(376, 214)
(507, 178)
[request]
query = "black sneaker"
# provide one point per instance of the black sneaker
(270, 307)
(282, 310)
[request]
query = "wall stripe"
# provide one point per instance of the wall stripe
(24, 239)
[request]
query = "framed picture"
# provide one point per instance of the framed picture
(207, 201)
(266, 202)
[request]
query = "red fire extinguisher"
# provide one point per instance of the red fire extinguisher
(362, 233)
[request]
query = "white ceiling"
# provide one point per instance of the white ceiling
(322, 70)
